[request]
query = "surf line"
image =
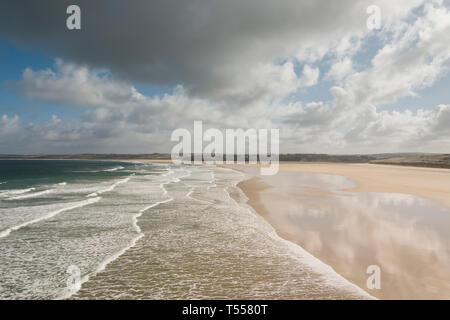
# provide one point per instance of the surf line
(48, 216)
(299, 253)
(32, 195)
(136, 226)
(111, 187)
(104, 264)
(11, 193)
(213, 179)
(192, 188)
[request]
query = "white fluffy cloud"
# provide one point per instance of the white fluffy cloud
(413, 55)
(340, 69)
(76, 85)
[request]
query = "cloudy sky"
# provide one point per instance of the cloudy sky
(313, 69)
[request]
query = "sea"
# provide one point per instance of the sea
(82, 229)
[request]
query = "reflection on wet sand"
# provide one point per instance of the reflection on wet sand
(405, 235)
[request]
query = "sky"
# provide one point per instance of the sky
(312, 69)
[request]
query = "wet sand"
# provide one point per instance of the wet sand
(430, 183)
(352, 216)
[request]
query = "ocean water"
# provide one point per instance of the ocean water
(123, 230)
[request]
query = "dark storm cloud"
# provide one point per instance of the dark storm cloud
(206, 45)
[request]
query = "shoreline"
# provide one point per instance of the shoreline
(430, 183)
(269, 199)
(248, 187)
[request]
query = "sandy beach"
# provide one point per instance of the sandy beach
(430, 183)
(352, 216)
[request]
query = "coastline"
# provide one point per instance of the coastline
(256, 250)
(335, 229)
(279, 202)
(432, 183)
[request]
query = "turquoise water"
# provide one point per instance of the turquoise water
(113, 230)
(24, 181)
(21, 174)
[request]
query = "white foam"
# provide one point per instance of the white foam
(16, 192)
(329, 275)
(191, 191)
(114, 169)
(20, 193)
(110, 188)
(262, 226)
(133, 242)
(213, 179)
(32, 195)
(178, 179)
(169, 171)
(73, 205)
(188, 195)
